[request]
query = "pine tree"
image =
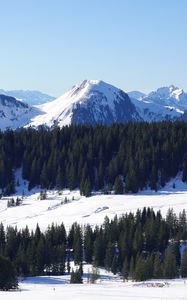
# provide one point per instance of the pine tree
(125, 269)
(76, 277)
(114, 266)
(140, 273)
(131, 181)
(2, 239)
(87, 188)
(170, 265)
(118, 185)
(88, 244)
(98, 251)
(8, 279)
(59, 179)
(184, 264)
(132, 267)
(157, 267)
(109, 256)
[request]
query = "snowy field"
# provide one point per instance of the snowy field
(90, 210)
(107, 288)
(69, 207)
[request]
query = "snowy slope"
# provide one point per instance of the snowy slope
(14, 113)
(27, 96)
(136, 95)
(90, 210)
(90, 102)
(166, 103)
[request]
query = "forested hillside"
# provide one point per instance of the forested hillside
(139, 246)
(125, 158)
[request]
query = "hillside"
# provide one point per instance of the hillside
(70, 206)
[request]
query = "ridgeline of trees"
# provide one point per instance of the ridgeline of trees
(95, 158)
(139, 246)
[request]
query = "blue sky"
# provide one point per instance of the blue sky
(52, 44)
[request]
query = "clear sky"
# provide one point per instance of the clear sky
(52, 44)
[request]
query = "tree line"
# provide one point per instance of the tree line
(125, 158)
(138, 246)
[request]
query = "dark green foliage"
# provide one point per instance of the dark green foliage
(157, 267)
(8, 279)
(125, 270)
(88, 244)
(114, 266)
(76, 277)
(76, 242)
(139, 246)
(95, 158)
(184, 264)
(109, 256)
(118, 185)
(99, 250)
(2, 239)
(170, 264)
(144, 268)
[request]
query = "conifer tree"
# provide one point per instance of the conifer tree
(118, 185)
(157, 266)
(8, 278)
(125, 269)
(184, 264)
(76, 276)
(170, 265)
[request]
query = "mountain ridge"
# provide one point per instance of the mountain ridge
(165, 103)
(31, 97)
(96, 102)
(14, 113)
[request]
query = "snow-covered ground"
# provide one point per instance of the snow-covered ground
(107, 287)
(90, 210)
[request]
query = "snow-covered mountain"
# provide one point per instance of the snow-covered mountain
(136, 95)
(95, 102)
(30, 97)
(166, 103)
(14, 113)
(90, 102)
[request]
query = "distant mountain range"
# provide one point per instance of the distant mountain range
(91, 102)
(14, 113)
(166, 103)
(30, 97)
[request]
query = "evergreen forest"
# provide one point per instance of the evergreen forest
(125, 158)
(138, 246)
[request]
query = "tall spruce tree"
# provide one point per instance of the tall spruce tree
(170, 265)
(8, 278)
(184, 264)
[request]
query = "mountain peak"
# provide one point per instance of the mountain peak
(89, 102)
(166, 93)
